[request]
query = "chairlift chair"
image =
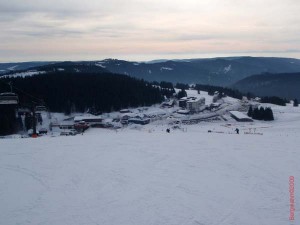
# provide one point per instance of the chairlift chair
(9, 98)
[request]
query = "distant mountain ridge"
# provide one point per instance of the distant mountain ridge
(216, 71)
(285, 85)
(222, 71)
(12, 67)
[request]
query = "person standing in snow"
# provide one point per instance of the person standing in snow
(237, 130)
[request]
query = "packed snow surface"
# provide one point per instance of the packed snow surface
(166, 68)
(13, 67)
(142, 175)
(100, 64)
(23, 74)
(227, 69)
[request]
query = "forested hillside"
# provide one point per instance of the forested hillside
(285, 85)
(213, 71)
(70, 91)
(221, 71)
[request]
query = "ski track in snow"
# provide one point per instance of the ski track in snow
(26, 172)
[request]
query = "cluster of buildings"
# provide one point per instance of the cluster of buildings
(188, 105)
(81, 123)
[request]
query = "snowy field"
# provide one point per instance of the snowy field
(148, 177)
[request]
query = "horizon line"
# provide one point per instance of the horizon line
(146, 61)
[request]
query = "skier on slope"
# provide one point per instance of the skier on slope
(237, 130)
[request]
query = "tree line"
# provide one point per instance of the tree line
(104, 92)
(261, 113)
(167, 88)
(274, 100)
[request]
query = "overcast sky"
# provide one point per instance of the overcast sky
(147, 29)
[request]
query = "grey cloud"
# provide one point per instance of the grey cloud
(66, 5)
(38, 6)
(125, 21)
(49, 33)
(192, 37)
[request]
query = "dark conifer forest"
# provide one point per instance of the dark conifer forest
(222, 90)
(274, 100)
(70, 91)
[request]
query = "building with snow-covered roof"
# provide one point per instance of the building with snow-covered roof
(215, 105)
(183, 111)
(216, 96)
(88, 119)
(194, 105)
(141, 121)
(240, 117)
(125, 117)
(183, 101)
(125, 111)
(257, 99)
(244, 99)
(66, 125)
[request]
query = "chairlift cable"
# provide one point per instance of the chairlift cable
(12, 86)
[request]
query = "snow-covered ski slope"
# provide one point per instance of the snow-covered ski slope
(148, 177)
